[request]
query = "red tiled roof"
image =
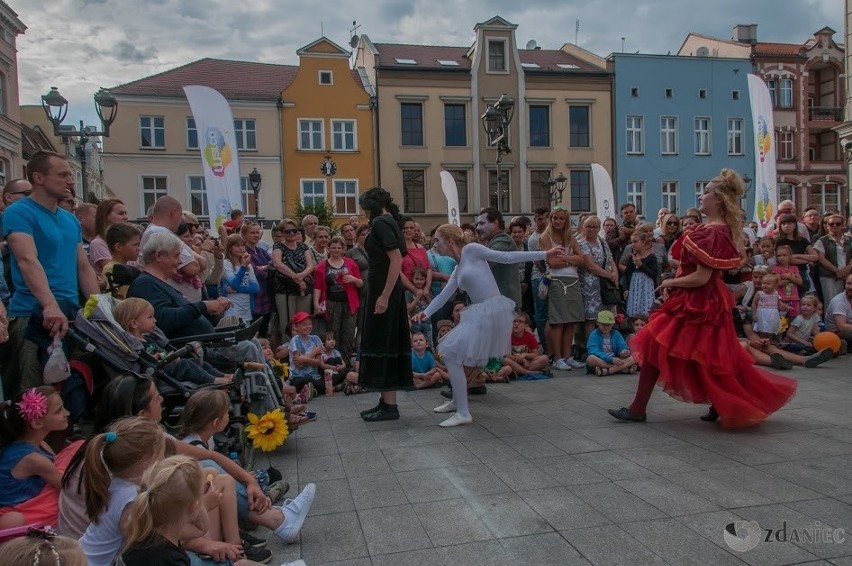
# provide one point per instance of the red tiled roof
(236, 80)
(427, 57)
(764, 48)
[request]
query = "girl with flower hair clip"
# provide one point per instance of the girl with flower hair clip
(30, 472)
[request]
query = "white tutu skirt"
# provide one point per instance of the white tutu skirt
(484, 332)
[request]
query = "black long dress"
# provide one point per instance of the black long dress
(386, 339)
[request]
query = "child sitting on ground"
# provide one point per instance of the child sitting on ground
(123, 242)
(42, 546)
(526, 356)
(444, 327)
(332, 360)
(800, 335)
(30, 473)
(638, 322)
(425, 369)
(136, 316)
(608, 352)
(305, 355)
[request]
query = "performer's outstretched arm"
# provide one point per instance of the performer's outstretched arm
(444, 296)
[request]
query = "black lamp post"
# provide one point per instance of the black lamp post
(496, 121)
(56, 108)
(555, 187)
(254, 182)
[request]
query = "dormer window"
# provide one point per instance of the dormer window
(497, 56)
(326, 78)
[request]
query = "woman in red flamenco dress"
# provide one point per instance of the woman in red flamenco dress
(689, 345)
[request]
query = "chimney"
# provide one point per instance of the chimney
(745, 33)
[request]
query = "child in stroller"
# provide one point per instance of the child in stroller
(136, 316)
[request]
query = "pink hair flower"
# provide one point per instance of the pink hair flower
(33, 405)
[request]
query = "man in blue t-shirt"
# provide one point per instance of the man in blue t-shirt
(49, 266)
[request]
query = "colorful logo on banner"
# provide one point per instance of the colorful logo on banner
(217, 153)
(764, 138)
(764, 208)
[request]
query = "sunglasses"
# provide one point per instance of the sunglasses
(25, 193)
(835, 224)
(291, 230)
(672, 223)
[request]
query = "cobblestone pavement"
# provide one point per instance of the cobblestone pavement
(546, 476)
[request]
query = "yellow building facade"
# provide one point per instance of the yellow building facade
(328, 140)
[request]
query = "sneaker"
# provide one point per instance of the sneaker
(448, 407)
(478, 390)
(295, 511)
(276, 491)
(259, 555)
(819, 358)
(252, 542)
(447, 393)
(561, 364)
(777, 361)
(456, 420)
(386, 413)
(574, 363)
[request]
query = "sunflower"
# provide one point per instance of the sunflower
(281, 369)
(269, 431)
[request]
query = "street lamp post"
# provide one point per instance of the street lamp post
(555, 188)
(496, 121)
(56, 108)
(254, 182)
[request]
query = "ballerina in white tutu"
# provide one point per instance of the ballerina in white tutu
(486, 324)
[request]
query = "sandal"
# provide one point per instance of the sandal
(633, 369)
(599, 371)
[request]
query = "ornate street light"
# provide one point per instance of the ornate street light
(495, 121)
(56, 108)
(254, 182)
(555, 187)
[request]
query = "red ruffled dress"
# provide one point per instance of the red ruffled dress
(692, 341)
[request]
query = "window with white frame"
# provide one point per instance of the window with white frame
(345, 196)
(824, 196)
(503, 200)
(311, 134)
(669, 194)
(152, 189)
(785, 99)
(497, 56)
(411, 123)
(191, 134)
(247, 201)
(581, 190)
(244, 131)
(313, 192)
(197, 195)
(152, 132)
(460, 177)
(735, 136)
(579, 127)
(343, 135)
(455, 128)
(699, 190)
(636, 196)
(784, 145)
(414, 191)
(702, 135)
(635, 135)
(772, 86)
(668, 135)
(786, 191)
(326, 78)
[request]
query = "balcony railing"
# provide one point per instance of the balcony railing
(825, 114)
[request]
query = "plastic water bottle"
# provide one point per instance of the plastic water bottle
(329, 383)
(235, 456)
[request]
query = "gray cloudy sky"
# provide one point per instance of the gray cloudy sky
(80, 45)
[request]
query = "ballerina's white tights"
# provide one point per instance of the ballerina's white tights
(458, 381)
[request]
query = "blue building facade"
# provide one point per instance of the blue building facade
(677, 122)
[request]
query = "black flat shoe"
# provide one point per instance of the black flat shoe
(386, 413)
(481, 390)
(373, 409)
(447, 393)
(710, 416)
(624, 414)
(777, 361)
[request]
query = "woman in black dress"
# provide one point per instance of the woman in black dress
(386, 339)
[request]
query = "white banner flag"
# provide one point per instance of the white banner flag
(765, 180)
(215, 126)
(604, 200)
(448, 185)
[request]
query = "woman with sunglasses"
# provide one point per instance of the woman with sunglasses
(293, 262)
(835, 257)
(669, 230)
(690, 345)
